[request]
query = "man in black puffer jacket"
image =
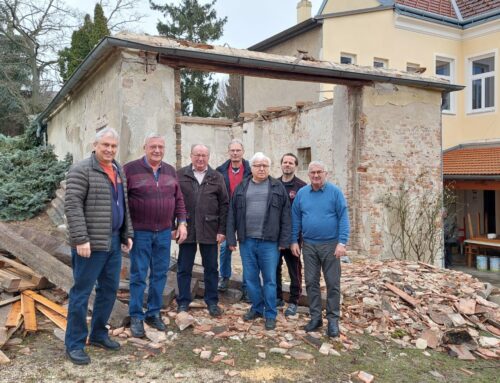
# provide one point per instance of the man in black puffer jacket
(98, 218)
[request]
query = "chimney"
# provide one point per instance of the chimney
(304, 8)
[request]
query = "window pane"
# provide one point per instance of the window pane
(445, 104)
(489, 92)
(483, 65)
(378, 64)
(443, 68)
(345, 60)
(476, 94)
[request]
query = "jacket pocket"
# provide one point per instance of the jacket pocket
(210, 227)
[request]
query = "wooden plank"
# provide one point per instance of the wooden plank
(46, 302)
(14, 316)
(22, 269)
(402, 294)
(57, 272)
(59, 320)
(6, 333)
(9, 281)
(471, 228)
(29, 314)
(9, 301)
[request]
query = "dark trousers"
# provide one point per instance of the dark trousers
(319, 257)
(151, 252)
(294, 271)
(185, 262)
(103, 268)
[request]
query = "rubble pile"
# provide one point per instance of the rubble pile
(416, 304)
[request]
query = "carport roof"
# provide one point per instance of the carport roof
(231, 60)
(472, 160)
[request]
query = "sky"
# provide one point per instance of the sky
(249, 21)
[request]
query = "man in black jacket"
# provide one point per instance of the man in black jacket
(206, 202)
(259, 213)
(234, 170)
(292, 184)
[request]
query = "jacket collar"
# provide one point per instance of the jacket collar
(97, 166)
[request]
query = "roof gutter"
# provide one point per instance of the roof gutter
(414, 12)
(224, 59)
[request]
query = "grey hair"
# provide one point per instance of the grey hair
(151, 136)
(195, 145)
(317, 163)
(107, 131)
(259, 156)
(236, 141)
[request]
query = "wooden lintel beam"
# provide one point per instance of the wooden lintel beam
(257, 72)
(473, 184)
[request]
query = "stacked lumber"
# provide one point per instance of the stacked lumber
(21, 313)
(419, 305)
(16, 277)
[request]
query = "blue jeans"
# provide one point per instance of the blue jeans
(151, 251)
(102, 267)
(225, 264)
(260, 257)
(185, 262)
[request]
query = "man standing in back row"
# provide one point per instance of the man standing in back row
(292, 184)
(234, 170)
(319, 211)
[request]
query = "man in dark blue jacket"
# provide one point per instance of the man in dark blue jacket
(260, 214)
(234, 170)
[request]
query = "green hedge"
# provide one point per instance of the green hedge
(29, 175)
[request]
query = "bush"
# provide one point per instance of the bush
(29, 175)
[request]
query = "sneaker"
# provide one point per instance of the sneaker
(280, 303)
(251, 315)
(291, 310)
(137, 327)
(156, 322)
(270, 324)
(223, 284)
(182, 307)
(214, 311)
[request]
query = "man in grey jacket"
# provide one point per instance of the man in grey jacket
(97, 211)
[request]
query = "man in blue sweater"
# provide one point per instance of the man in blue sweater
(320, 212)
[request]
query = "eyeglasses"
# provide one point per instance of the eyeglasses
(156, 147)
(200, 155)
(260, 166)
(317, 172)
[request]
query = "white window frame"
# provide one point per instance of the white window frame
(348, 55)
(385, 62)
(470, 78)
(451, 78)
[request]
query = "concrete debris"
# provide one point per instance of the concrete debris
(183, 320)
(299, 355)
(362, 377)
(205, 354)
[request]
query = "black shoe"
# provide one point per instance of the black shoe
(313, 325)
(280, 303)
(156, 322)
(291, 309)
(214, 311)
(244, 297)
(251, 315)
(270, 324)
(106, 343)
(137, 327)
(183, 308)
(79, 357)
(333, 328)
(223, 284)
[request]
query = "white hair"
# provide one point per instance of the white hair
(107, 131)
(259, 156)
(150, 136)
(317, 163)
(236, 141)
(202, 145)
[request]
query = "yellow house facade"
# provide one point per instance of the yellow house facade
(454, 39)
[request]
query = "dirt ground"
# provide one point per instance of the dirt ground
(39, 357)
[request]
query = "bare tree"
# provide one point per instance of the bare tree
(38, 29)
(121, 14)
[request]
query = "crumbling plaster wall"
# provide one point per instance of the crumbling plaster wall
(94, 104)
(129, 92)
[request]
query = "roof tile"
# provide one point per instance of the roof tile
(470, 8)
(439, 7)
(472, 161)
